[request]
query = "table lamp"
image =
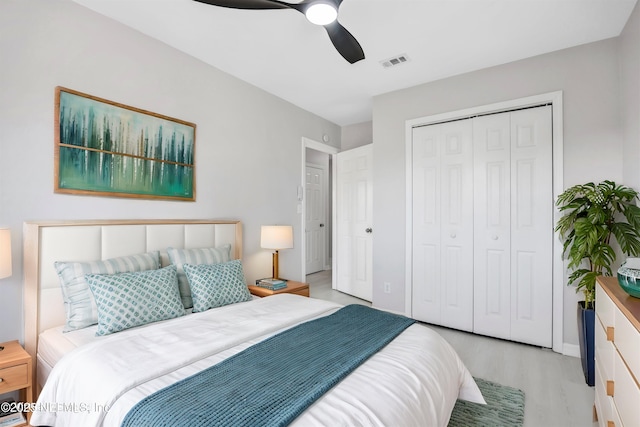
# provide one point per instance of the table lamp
(5, 253)
(276, 237)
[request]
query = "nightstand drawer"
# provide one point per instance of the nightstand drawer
(13, 378)
(303, 292)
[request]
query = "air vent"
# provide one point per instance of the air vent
(396, 60)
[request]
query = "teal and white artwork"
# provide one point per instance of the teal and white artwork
(105, 148)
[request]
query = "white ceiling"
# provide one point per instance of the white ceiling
(284, 54)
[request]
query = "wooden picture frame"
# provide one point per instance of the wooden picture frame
(104, 148)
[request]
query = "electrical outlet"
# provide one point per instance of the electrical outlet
(387, 287)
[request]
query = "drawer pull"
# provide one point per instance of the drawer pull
(1, 380)
(610, 387)
(610, 333)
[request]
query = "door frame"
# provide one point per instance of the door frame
(556, 100)
(331, 151)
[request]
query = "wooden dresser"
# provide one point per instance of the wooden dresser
(617, 337)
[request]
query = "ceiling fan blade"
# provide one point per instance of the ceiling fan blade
(248, 4)
(344, 42)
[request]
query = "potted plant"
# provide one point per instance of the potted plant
(593, 214)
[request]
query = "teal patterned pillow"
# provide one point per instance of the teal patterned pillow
(215, 285)
(126, 300)
(79, 304)
(178, 257)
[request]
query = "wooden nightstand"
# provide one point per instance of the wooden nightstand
(15, 372)
(293, 287)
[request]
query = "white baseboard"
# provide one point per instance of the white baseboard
(571, 350)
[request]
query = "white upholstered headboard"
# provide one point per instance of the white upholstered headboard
(47, 242)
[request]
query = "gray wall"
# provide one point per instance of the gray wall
(357, 135)
(248, 142)
(630, 98)
(588, 77)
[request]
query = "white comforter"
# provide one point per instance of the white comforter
(413, 381)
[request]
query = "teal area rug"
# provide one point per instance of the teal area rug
(504, 408)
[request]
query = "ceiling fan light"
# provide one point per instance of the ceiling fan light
(321, 13)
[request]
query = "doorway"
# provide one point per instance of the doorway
(316, 200)
(317, 229)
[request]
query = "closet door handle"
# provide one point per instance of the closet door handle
(369, 230)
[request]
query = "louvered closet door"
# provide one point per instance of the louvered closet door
(513, 226)
(443, 224)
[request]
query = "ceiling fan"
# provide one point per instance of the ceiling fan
(319, 12)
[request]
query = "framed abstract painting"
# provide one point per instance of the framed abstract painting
(105, 148)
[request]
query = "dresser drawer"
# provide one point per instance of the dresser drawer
(602, 401)
(626, 394)
(605, 308)
(627, 341)
(605, 351)
(605, 407)
(13, 378)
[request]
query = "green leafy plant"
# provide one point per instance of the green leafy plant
(592, 214)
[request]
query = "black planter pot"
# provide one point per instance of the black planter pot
(586, 325)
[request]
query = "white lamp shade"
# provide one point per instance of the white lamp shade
(276, 237)
(5, 252)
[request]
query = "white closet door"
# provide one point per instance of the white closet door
(426, 225)
(456, 225)
(443, 224)
(513, 226)
(531, 226)
(492, 255)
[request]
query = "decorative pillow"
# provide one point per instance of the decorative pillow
(79, 304)
(178, 257)
(126, 300)
(215, 285)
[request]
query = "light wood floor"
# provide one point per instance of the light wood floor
(555, 391)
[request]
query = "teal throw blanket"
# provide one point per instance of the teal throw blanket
(273, 381)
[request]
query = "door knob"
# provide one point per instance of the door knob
(369, 230)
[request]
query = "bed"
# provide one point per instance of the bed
(89, 380)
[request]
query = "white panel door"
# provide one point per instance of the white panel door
(456, 226)
(443, 224)
(492, 254)
(354, 226)
(426, 305)
(531, 226)
(513, 226)
(315, 220)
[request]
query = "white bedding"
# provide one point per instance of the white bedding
(413, 381)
